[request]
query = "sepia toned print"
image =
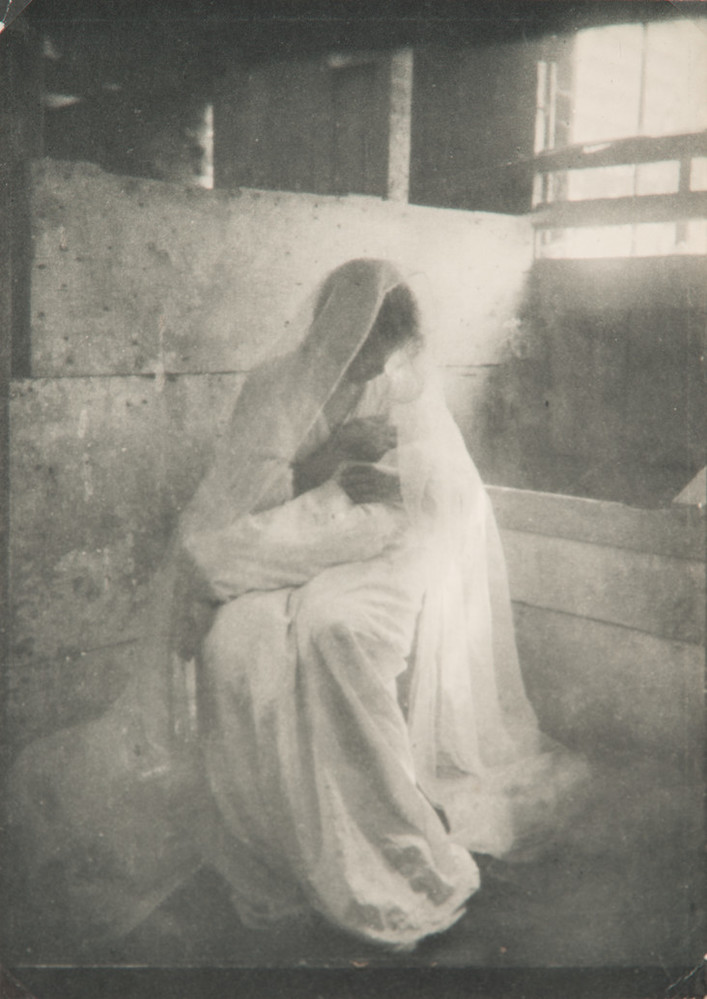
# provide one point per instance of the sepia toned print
(355, 507)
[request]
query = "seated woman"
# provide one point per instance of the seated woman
(364, 552)
(339, 581)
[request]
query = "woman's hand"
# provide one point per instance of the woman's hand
(365, 483)
(364, 439)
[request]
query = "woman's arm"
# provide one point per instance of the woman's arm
(364, 483)
(364, 439)
(290, 544)
(316, 468)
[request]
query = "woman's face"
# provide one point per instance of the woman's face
(371, 359)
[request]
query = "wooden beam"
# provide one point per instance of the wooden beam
(399, 125)
(639, 149)
(9, 152)
(621, 211)
(675, 532)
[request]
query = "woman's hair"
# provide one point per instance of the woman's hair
(398, 319)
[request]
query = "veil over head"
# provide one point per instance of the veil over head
(252, 467)
(343, 312)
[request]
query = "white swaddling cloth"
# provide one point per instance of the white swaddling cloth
(291, 543)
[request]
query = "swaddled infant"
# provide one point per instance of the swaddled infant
(346, 509)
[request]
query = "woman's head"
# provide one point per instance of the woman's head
(363, 313)
(396, 325)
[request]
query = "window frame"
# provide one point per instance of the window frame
(555, 156)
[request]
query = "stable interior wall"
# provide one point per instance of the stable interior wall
(602, 394)
(473, 122)
(149, 303)
(310, 124)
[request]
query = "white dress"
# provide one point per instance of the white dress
(323, 775)
(308, 751)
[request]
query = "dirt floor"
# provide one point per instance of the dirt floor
(621, 885)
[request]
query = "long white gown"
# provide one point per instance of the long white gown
(309, 753)
(361, 669)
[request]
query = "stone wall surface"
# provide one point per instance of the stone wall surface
(133, 276)
(148, 303)
(609, 600)
(99, 470)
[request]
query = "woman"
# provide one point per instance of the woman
(350, 544)
(338, 581)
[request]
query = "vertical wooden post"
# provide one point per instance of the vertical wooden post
(20, 140)
(6, 161)
(399, 126)
(7, 158)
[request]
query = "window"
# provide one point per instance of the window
(621, 142)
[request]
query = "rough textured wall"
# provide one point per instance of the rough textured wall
(133, 276)
(153, 294)
(100, 467)
(604, 395)
(148, 301)
(609, 604)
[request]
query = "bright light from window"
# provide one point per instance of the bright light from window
(643, 239)
(205, 138)
(635, 79)
(662, 177)
(675, 98)
(631, 81)
(607, 83)
(698, 174)
(600, 182)
(623, 181)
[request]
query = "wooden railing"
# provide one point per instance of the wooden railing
(683, 204)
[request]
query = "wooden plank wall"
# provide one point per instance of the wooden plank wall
(317, 125)
(610, 619)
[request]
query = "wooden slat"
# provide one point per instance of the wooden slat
(620, 211)
(674, 532)
(638, 149)
(652, 594)
(598, 686)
